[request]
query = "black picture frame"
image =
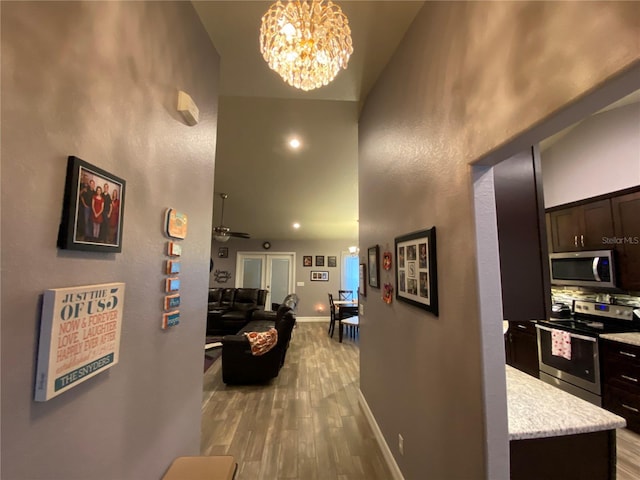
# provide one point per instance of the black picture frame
(78, 230)
(373, 262)
(307, 261)
(362, 284)
(319, 260)
(416, 269)
(332, 261)
(319, 276)
(223, 252)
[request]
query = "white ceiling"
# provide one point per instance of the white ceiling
(550, 141)
(270, 186)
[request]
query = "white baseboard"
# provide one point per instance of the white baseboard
(312, 319)
(386, 452)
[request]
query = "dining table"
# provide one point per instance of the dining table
(346, 303)
(345, 309)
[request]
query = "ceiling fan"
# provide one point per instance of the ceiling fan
(222, 233)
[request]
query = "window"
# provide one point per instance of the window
(350, 273)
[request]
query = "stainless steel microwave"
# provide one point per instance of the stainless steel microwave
(584, 269)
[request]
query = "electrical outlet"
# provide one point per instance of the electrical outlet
(361, 309)
(401, 444)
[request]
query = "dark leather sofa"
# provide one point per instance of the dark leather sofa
(230, 309)
(239, 365)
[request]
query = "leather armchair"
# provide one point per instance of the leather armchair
(240, 366)
(245, 299)
(230, 309)
(221, 298)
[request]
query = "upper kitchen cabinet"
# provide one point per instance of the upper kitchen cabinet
(524, 266)
(580, 227)
(626, 220)
(611, 223)
(582, 166)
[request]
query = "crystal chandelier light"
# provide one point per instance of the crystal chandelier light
(306, 42)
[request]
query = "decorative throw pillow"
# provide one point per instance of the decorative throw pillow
(262, 342)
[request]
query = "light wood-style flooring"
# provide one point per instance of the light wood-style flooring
(307, 423)
(628, 449)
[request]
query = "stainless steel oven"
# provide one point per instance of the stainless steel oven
(579, 375)
(577, 370)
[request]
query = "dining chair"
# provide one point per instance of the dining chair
(352, 327)
(345, 294)
(332, 316)
(345, 315)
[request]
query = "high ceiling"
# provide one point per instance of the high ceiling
(628, 100)
(269, 185)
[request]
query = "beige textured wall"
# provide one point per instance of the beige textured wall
(467, 78)
(99, 80)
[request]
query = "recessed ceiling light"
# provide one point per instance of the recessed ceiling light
(294, 143)
(296, 225)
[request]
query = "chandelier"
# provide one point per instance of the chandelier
(306, 42)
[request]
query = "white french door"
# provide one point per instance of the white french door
(273, 272)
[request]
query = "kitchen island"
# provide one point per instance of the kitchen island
(555, 435)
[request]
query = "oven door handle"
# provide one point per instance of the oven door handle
(573, 335)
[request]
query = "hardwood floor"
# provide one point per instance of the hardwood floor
(307, 423)
(628, 448)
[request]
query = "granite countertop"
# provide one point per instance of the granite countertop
(632, 338)
(539, 410)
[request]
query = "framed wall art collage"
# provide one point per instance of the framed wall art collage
(319, 275)
(416, 270)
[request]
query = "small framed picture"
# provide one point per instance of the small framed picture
(332, 261)
(319, 276)
(223, 252)
(307, 261)
(374, 266)
(319, 260)
(172, 301)
(172, 284)
(93, 209)
(362, 285)
(174, 249)
(170, 319)
(176, 224)
(173, 267)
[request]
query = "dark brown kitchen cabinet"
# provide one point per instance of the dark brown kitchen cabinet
(621, 381)
(524, 261)
(580, 227)
(626, 220)
(521, 347)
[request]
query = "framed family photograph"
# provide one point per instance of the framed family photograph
(93, 209)
(373, 254)
(416, 270)
(307, 261)
(319, 276)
